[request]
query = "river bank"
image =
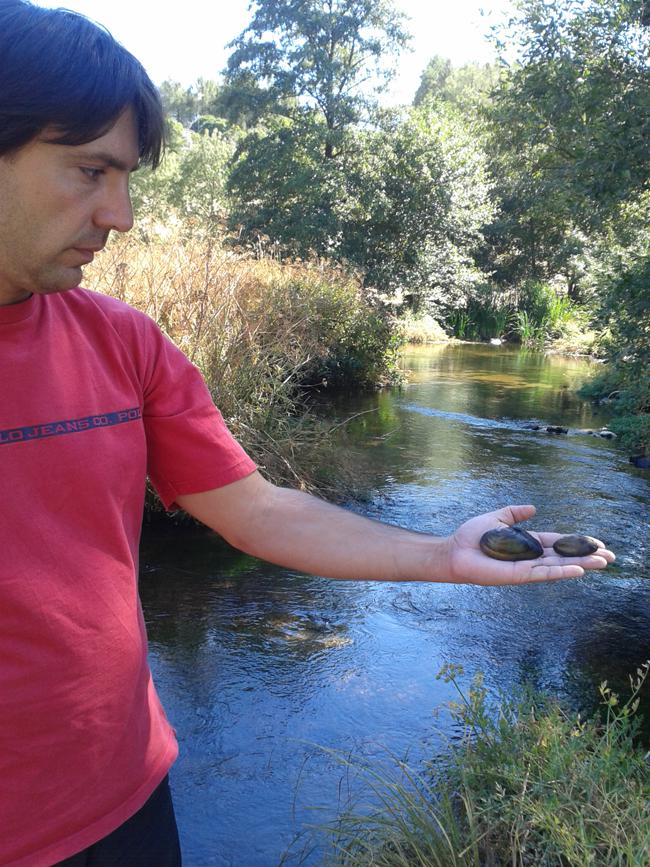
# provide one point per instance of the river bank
(266, 335)
(525, 783)
(275, 342)
(270, 336)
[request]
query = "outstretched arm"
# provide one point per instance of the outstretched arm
(302, 532)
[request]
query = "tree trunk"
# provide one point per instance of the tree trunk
(533, 250)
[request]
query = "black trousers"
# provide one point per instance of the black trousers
(148, 839)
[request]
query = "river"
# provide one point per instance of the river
(269, 676)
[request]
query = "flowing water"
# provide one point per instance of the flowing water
(270, 677)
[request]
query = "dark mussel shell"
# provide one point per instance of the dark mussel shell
(575, 545)
(510, 543)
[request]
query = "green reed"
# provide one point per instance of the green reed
(530, 785)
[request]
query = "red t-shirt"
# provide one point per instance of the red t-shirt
(92, 398)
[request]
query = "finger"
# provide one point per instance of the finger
(542, 572)
(547, 539)
(593, 561)
(513, 514)
(606, 554)
(549, 552)
(601, 554)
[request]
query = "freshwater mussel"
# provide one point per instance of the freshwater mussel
(575, 545)
(510, 543)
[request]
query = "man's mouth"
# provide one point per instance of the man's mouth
(87, 253)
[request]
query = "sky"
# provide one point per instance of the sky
(187, 40)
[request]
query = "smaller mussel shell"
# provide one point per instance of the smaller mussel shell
(575, 545)
(510, 543)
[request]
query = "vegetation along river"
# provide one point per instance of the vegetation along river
(260, 668)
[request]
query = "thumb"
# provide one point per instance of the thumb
(514, 514)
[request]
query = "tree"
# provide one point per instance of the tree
(433, 80)
(422, 195)
(404, 201)
(190, 185)
(570, 120)
(284, 189)
(572, 139)
(150, 190)
(179, 103)
(329, 55)
(577, 101)
(243, 102)
(186, 104)
(467, 87)
(200, 194)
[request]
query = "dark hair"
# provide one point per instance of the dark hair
(58, 69)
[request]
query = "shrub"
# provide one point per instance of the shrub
(422, 329)
(527, 786)
(259, 331)
(626, 346)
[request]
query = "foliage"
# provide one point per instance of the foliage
(151, 191)
(527, 786)
(179, 103)
(536, 315)
(404, 201)
(468, 88)
(283, 189)
(419, 194)
(422, 329)
(509, 201)
(199, 193)
(569, 134)
(617, 280)
(185, 104)
(578, 101)
(435, 76)
(627, 346)
(244, 102)
(190, 186)
(570, 124)
(542, 313)
(487, 313)
(320, 53)
(260, 332)
(240, 103)
(352, 341)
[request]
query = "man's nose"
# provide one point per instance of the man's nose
(115, 211)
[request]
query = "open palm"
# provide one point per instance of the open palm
(468, 564)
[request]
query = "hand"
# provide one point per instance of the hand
(468, 564)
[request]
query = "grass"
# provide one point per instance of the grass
(528, 786)
(535, 315)
(422, 329)
(483, 318)
(546, 318)
(265, 334)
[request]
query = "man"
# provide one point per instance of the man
(92, 398)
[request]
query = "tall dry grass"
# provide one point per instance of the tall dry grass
(262, 333)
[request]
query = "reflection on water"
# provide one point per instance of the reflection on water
(260, 668)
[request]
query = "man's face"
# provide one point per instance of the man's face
(58, 204)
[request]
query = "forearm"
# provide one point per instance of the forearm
(323, 539)
(300, 531)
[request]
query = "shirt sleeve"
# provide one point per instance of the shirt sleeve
(189, 447)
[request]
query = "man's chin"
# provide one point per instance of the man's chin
(67, 278)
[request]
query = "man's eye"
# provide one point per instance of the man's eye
(92, 173)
